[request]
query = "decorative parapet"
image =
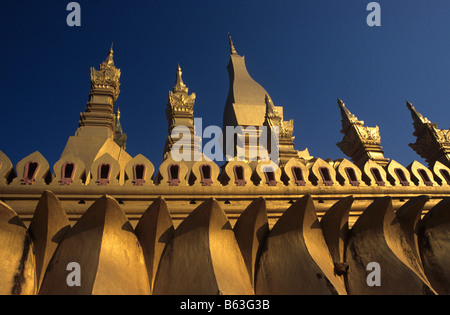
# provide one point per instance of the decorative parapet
(204, 173)
(348, 174)
(105, 171)
(139, 172)
(421, 175)
(441, 173)
(6, 169)
(266, 173)
(69, 171)
(398, 175)
(374, 174)
(236, 173)
(172, 173)
(32, 170)
(321, 173)
(296, 173)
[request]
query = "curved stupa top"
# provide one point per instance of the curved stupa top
(246, 103)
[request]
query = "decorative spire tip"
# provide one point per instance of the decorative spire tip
(232, 49)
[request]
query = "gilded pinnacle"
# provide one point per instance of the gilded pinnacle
(179, 84)
(232, 49)
(109, 61)
(417, 117)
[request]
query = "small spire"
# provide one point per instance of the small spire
(232, 49)
(119, 137)
(347, 116)
(179, 80)
(179, 84)
(270, 108)
(109, 61)
(416, 116)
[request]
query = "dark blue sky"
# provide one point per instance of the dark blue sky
(306, 54)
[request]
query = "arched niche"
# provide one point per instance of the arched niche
(441, 173)
(374, 174)
(105, 171)
(139, 172)
(33, 170)
(68, 171)
(296, 173)
(205, 173)
(236, 173)
(172, 173)
(348, 174)
(6, 170)
(266, 173)
(421, 175)
(398, 175)
(322, 173)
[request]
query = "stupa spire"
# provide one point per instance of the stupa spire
(416, 116)
(179, 86)
(232, 49)
(98, 118)
(109, 61)
(119, 136)
(180, 112)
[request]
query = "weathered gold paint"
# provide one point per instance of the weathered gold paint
(17, 267)
(103, 243)
(203, 257)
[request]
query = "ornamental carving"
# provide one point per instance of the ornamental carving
(369, 133)
(108, 76)
(181, 101)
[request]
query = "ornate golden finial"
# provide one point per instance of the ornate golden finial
(179, 84)
(417, 117)
(119, 136)
(108, 74)
(109, 61)
(347, 116)
(232, 49)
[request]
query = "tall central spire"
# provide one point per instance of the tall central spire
(247, 104)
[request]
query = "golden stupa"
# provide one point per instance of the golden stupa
(309, 226)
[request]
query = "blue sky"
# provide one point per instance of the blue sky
(306, 54)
